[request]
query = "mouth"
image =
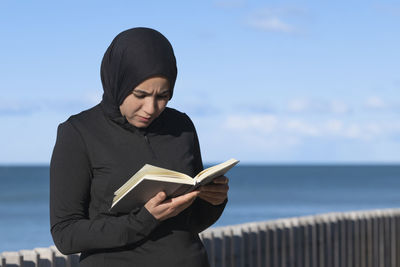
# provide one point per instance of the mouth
(144, 119)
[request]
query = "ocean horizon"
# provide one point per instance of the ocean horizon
(258, 192)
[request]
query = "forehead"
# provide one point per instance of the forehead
(158, 84)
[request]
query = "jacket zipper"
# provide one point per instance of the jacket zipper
(149, 146)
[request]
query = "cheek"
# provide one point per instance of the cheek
(129, 108)
(161, 105)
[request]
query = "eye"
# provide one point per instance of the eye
(163, 96)
(138, 95)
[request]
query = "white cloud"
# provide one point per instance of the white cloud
(299, 105)
(263, 123)
(93, 97)
(353, 131)
(339, 107)
(300, 127)
(272, 24)
(17, 108)
(375, 129)
(292, 128)
(27, 107)
(333, 126)
(281, 19)
(374, 102)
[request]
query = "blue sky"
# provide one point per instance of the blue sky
(264, 81)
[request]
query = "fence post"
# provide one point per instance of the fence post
(353, 239)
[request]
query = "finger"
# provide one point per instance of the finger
(214, 195)
(185, 204)
(191, 195)
(213, 200)
(215, 188)
(175, 202)
(175, 205)
(185, 198)
(157, 199)
(221, 180)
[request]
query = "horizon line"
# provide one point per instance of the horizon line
(248, 163)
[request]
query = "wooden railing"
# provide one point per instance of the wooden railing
(351, 239)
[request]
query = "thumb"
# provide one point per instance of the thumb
(160, 197)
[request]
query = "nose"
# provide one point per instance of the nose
(149, 106)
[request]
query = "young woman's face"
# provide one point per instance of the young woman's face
(146, 102)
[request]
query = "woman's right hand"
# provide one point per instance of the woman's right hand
(163, 209)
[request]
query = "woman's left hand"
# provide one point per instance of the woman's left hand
(215, 192)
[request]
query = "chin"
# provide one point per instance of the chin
(141, 124)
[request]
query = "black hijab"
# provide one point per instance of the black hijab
(132, 57)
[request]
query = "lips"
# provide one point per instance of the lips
(144, 119)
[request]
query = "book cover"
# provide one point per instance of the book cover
(150, 180)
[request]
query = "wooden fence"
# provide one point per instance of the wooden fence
(351, 239)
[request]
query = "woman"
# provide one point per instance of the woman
(98, 149)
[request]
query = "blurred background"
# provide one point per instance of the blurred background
(304, 93)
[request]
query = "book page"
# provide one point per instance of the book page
(170, 179)
(150, 180)
(149, 170)
(133, 180)
(215, 171)
(157, 171)
(143, 191)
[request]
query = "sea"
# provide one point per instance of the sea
(257, 193)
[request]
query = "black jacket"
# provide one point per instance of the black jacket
(93, 156)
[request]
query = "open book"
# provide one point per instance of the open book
(150, 180)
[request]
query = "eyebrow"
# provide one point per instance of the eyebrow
(147, 93)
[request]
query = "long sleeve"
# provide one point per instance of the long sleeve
(70, 186)
(202, 214)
